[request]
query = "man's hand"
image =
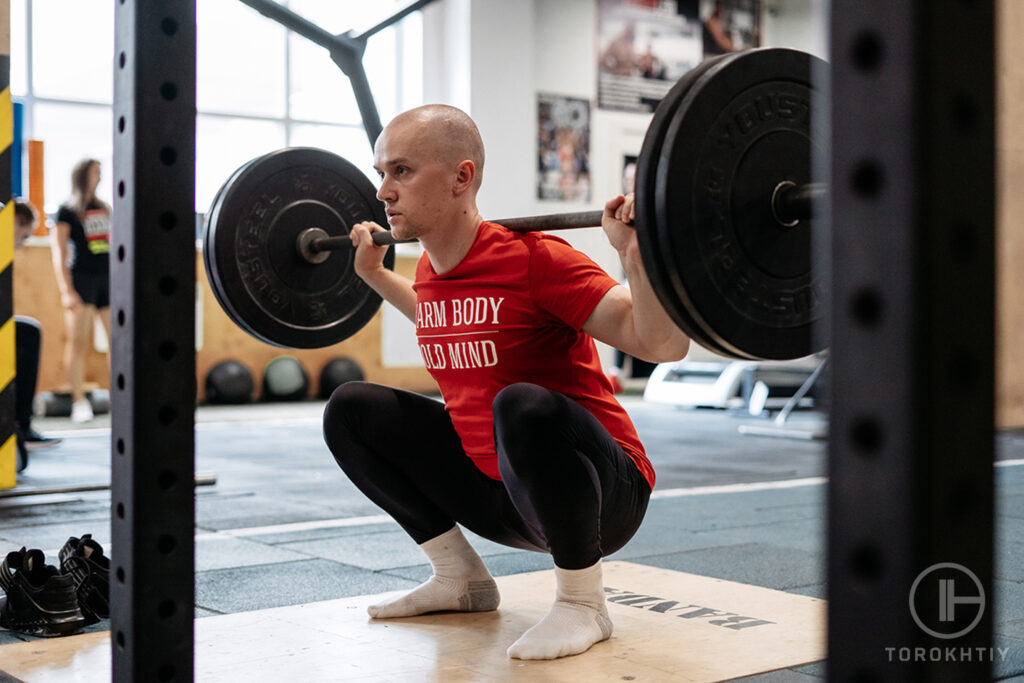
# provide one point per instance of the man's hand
(633, 320)
(369, 265)
(369, 257)
(619, 214)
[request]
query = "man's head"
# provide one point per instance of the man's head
(25, 218)
(431, 161)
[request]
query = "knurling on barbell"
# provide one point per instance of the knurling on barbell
(724, 218)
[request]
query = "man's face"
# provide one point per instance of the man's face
(416, 184)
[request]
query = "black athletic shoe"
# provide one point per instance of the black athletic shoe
(40, 601)
(34, 441)
(83, 560)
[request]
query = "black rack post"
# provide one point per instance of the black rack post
(153, 359)
(913, 231)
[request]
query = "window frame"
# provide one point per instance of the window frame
(400, 93)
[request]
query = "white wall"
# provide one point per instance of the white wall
(566, 65)
(502, 102)
(492, 57)
(799, 24)
(446, 52)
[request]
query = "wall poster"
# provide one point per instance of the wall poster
(563, 148)
(645, 46)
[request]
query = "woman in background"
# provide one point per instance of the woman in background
(81, 248)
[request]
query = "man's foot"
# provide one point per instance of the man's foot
(81, 411)
(441, 594)
(34, 441)
(577, 620)
(567, 629)
(460, 583)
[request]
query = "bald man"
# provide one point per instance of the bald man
(530, 449)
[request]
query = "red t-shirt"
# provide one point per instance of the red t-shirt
(510, 312)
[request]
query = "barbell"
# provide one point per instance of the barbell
(724, 215)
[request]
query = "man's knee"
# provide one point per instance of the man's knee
(525, 405)
(349, 405)
(343, 416)
(526, 418)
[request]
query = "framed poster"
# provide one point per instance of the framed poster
(563, 148)
(729, 25)
(644, 47)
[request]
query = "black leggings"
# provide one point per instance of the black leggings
(567, 486)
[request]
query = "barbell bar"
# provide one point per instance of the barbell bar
(724, 214)
(790, 204)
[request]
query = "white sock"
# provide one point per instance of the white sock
(577, 620)
(460, 582)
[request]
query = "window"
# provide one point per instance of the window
(347, 141)
(74, 132)
(19, 46)
(223, 144)
(73, 50)
(319, 91)
(241, 61)
(259, 87)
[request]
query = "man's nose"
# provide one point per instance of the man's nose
(385, 192)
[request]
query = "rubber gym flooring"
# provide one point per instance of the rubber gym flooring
(282, 525)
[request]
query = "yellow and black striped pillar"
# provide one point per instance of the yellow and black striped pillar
(8, 438)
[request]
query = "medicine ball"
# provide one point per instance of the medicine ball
(336, 372)
(58, 404)
(229, 383)
(99, 399)
(284, 379)
(52, 404)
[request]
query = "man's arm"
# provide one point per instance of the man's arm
(369, 265)
(633, 320)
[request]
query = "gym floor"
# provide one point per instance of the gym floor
(283, 526)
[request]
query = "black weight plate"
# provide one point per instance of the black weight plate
(655, 264)
(209, 248)
(698, 331)
(255, 269)
(696, 326)
(209, 229)
(729, 307)
(748, 282)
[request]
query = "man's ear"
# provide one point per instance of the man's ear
(465, 174)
